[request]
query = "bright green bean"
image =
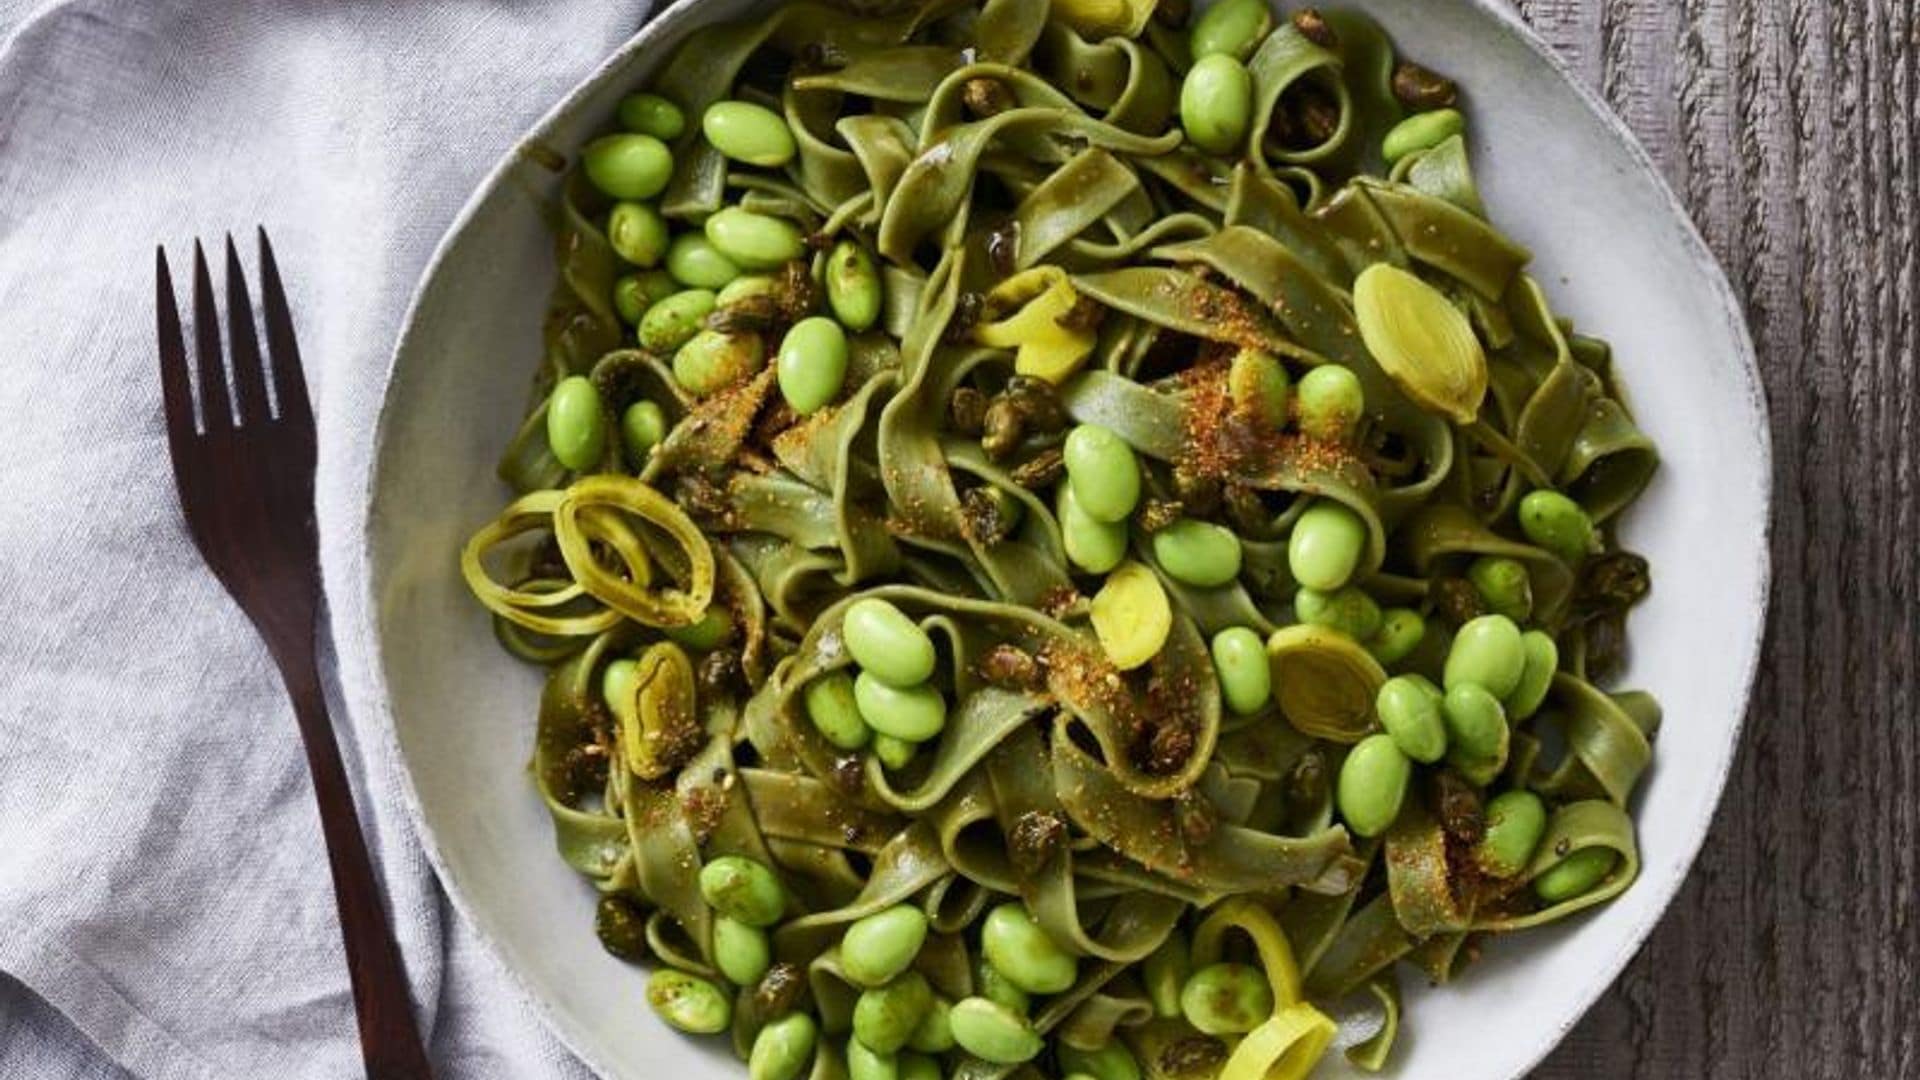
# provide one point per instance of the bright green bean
(1260, 389)
(1488, 652)
(918, 1067)
(637, 233)
(672, 322)
(1232, 28)
(990, 984)
(1575, 875)
(642, 427)
(1018, 949)
(934, 1033)
(1216, 103)
(1421, 131)
(1198, 553)
(812, 365)
(1227, 999)
(1111, 1062)
(712, 630)
(1372, 784)
(1103, 471)
(635, 167)
(689, 1002)
(885, 1017)
(754, 241)
(748, 133)
(632, 298)
(887, 644)
(741, 952)
(696, 263)
(1240, 659)
(854, 291)
(1515, 822)
(1326, 545)
(716, 360)
(830, 705)
(894, 753)
(576, 423)
(744, 286)
(865, 1063)
(1543, 659)
(1476, 730)
(651, 114)
(1558, 524)
(1504, 585)
(880, 946)
(992, 1032)
(742, 889)
(1347, 609)
(784, 1048)
(1093, 545)
(1409, 708)
(1401, 631)
(1164, 972)
(913, 713)
(1331, 403)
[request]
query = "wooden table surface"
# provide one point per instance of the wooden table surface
(1789, 129)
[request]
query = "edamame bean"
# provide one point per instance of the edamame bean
(1409, 708)
(642, 427)
(743, 890)
(713, 629)
(885, 1017)
(754, 241)
(1111, 1062)
(1260, 389)
(880, 946)
(576, 423)
(1131, 616)
(1017, 948)
(630, 299)
(1421, 131)
(1103, 471)
(853, 286)
(1487, 651)
(741, 952)
(744, 286)
(1575, 875)
(672, 322)
(714, 360)
(894, 753)
(1558, 524)
(1372, 784)
(621, 926)
(1227, 999)
(1198, 553)
(1165, 971)
(830, 705)
(887, 644)
(1240, 659)
(749, 133)
(865, 1063)
(651, 114)
(1331, 403)
(1216, 103)
(637, 233)
(992, 1032)
(695, 262)
(689, 1002)
(1476, 725)
(617, 684)
(1515, 822)
(1504, 585)
(1326, 545)
(918, 1067)
(1092, 545)
(1347, 609)
(812, 364)
(993, 986)
(934, 1033)
(1401, 631)
(1543, 659)
(913, 713)
(1232, 27)
(784, 1048)
(635, 167)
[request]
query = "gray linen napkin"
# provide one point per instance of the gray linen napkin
(165, 908)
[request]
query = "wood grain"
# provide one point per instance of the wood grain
(1789, 129)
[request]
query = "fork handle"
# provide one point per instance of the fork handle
(389, 1040)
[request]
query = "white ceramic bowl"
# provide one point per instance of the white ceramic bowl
(1615, 251)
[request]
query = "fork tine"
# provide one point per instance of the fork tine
(243, 341)
(215, 413)
(175, 388)
(289, 379)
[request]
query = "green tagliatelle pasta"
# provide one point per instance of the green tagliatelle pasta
(1025, 594)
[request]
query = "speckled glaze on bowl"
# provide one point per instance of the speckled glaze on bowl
(1614, 250)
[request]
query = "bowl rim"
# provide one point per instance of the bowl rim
(365, 633)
